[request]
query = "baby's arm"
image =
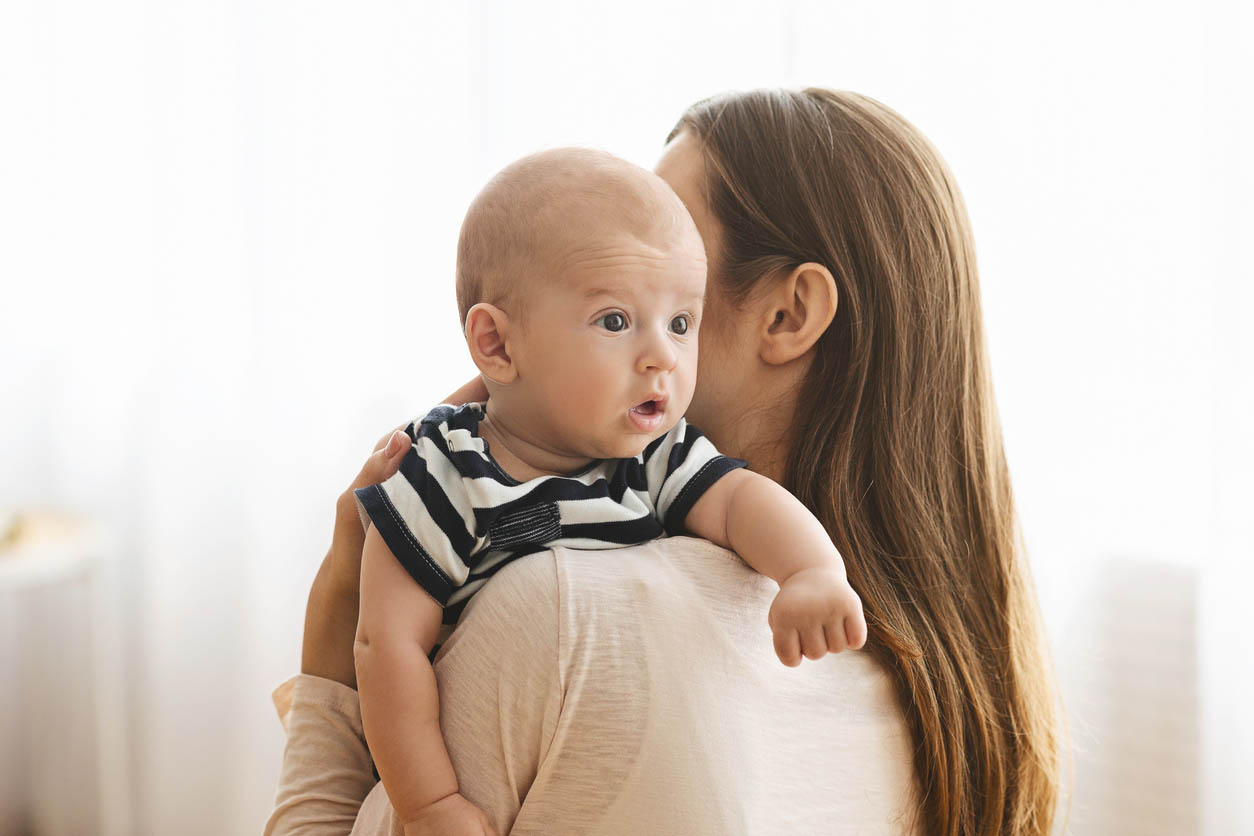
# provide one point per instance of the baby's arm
(816, 610)
(400, 707)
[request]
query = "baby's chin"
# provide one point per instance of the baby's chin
(629, 445)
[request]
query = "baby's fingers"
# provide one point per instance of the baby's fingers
(835, 635)
(814, 642)
(855, 630)
(788, 647)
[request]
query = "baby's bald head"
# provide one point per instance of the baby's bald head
(533, 215)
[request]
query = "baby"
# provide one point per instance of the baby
(580, 282)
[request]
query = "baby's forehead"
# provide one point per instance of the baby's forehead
(621, 264)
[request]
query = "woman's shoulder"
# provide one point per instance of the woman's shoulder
(638, 599)
(685, 586)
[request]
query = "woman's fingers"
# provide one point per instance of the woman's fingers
(387, 437)
(384, 461)
(349, 534)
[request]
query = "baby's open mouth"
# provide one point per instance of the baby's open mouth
(648, 415)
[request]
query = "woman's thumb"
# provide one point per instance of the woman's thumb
(394, 445)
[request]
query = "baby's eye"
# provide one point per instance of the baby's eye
(680, 324)
(613, 322)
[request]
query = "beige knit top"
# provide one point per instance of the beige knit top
(628, 691)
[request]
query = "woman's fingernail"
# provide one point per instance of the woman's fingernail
(394, 443)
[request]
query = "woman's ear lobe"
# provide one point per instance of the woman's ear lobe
(801, 306)
(487, 330)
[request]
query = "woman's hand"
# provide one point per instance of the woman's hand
(331, 614)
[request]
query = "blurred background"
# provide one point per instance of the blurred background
(217, 217)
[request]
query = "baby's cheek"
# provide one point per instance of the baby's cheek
(686, 382)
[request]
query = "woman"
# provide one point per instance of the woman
(843, 355)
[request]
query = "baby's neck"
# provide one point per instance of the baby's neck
(522, 457)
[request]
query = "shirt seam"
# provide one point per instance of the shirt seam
(562, 643)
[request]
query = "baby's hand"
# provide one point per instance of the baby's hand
(816, 612)
(452, 815)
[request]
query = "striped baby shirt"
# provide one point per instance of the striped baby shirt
(453, 517)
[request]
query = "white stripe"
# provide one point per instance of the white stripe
(699, 455)
(450, 480)
(603, 509)
(655, 465)
(417, 519)
(589, 543)
(486, 492)
(463, 592)
(492, 558)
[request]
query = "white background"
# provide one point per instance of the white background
(227, 233)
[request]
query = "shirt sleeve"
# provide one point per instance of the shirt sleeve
(423, 512)
(326, 769)
(679, 468)
(502, 689)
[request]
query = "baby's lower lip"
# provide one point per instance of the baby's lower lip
(647, 420)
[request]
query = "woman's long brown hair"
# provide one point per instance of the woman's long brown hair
(898, 448)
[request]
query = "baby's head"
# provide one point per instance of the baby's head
(580, 281)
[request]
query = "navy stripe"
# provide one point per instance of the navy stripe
(472, 465)
(443, 513)
(652, 448)
(620, 532)
(680, 450)
(710, 472)
(630, 473)
(454, 611)
(407, 550)
(464, 417)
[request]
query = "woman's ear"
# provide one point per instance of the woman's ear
(797, 311)
(487, 332)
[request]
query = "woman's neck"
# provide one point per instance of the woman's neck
(759, 437)
(762, 430)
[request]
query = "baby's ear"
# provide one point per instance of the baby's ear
(487, 328)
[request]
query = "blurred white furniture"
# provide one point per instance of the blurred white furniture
(63, 752)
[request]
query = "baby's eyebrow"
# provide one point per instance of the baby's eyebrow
(604, 291)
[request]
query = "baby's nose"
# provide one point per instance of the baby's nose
(659, 354)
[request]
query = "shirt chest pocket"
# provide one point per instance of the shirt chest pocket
(530, 526)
